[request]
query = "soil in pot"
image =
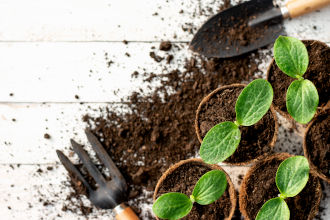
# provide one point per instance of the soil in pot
(317, 72)
(259, 186)
(183, 176)
(219, 106)
(317, 145)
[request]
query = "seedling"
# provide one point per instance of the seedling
(221, 141)
(302, 99)
(291, 178)
(207, 190)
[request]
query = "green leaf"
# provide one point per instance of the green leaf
(292, 176)
(253, 102)
(210, 187)
(172, 205)
(291, 56)
(302, 100)
(274, 209)
(220, 142)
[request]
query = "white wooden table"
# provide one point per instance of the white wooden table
(47, 49)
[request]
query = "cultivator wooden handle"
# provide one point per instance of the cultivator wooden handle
(124, 212)
(299, 7)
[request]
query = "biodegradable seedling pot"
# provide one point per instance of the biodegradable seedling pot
(257, 140)
(317, 145)
(317, 72)
(182, 177)
(258, 186)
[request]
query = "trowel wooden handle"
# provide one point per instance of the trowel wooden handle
(300, 7)
(124, 212)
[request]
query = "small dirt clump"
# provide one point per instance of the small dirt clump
(165, 45)
(47, 136)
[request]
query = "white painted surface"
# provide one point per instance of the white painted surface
(106, 20)
(56, 72)
(47, 50)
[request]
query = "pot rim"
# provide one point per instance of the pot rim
(281, 156)
(306, 152)
(231, 188)
(208, 97)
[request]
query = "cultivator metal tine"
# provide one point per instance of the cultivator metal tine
(93, 171)
(105, 159)
(72, 169)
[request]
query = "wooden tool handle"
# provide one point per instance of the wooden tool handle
(300, 7)
(125, 213)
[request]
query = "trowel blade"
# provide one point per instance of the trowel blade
(230, 33)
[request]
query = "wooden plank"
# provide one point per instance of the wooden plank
(56, 72)
(22, 141)
(29, 194)
(88, 20)
(24, 193)
(23, 186)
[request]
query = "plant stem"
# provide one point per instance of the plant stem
(282, 196)
(299, 77)
(192, 198)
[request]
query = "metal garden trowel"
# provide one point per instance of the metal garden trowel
(247, 26)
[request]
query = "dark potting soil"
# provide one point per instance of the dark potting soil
(241, 33)
(158, 129)
(318, 143)
(255, 139)
(317, 72)
(261, 187)
(183, 179)
(232, 32)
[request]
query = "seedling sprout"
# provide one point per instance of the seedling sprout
(302, 98)
(291, 178)
(221, 141)
(208, 189)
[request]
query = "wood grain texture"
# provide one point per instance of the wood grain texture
(300, 7)
(56, 72)
(22, 186)
(51, 51)
(106, 20)
(127, 214)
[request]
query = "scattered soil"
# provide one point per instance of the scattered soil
(241, 32)
(317, 72)
(260, 186)
(318, 143)
(183, 179)
(150, 132)
(165, 46)
(256, 140)
(222, 35)
(156, 57)
(46, 136)
(158, 129)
